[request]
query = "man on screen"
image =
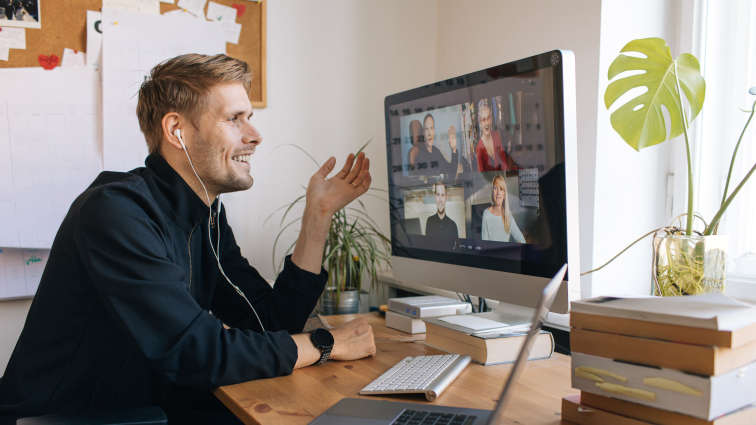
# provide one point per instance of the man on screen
(429, 160)
(439, 228)
(145, 271)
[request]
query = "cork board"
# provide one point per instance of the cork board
(64, 24)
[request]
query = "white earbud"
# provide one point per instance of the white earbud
(177, 133)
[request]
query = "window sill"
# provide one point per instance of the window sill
(742, 288)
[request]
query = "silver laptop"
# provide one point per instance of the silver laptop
(360, 411)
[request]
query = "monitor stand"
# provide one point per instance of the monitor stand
(510, 314)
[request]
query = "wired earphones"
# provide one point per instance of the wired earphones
(215, 250)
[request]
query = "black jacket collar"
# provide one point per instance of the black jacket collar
(174, 195)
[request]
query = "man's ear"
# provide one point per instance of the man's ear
(170, 123)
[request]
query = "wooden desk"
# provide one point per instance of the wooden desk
(308, 392)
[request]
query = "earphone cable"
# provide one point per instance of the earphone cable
(209, 233)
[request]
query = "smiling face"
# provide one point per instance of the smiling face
(429, 130)
(223, 143)
(499, 194)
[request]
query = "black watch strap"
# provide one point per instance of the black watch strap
(323, 341)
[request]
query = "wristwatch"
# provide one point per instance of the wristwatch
(323, 341)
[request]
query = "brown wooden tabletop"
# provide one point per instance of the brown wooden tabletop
(308, 392)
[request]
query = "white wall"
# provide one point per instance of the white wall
(482, 33)
(630, 191)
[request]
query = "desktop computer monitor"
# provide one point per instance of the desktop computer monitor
(483, 181)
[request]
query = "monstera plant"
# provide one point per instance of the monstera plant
(686, 261)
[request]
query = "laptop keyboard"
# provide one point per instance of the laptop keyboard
(420, 417)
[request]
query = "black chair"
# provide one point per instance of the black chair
(152, 415)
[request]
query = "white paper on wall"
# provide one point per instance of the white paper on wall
(132, 45)
(73, 57)
(49, 149)
(220, 13)
(4, 53)
(195, 7)
(13, 38)
(21, 271)
(232, 31)
(150, 7)
(94, 39)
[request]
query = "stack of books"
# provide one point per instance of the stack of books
(664, 361)
(406, 314)
(486, 341)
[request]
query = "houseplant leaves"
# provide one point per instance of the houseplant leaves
(640, 121)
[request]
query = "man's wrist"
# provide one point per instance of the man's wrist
(316, 222)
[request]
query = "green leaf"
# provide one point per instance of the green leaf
(640, 121)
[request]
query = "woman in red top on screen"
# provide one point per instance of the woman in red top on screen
(489, 149)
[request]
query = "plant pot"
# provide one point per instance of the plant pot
(342, 302)
(688, 265)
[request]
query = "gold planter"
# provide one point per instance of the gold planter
(688, 264)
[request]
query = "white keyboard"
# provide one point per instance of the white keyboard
(428, 375)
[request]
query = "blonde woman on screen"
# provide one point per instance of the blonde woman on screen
(498, 223)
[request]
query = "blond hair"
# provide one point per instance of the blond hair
(505, 204)
(181, 84)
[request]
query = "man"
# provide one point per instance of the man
(439, 228)
(140, 281)
(429, 160)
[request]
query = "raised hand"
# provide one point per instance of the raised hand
(328, 195)
(325, 196)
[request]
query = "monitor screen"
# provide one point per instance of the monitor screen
(477, 169)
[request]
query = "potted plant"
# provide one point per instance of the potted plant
(354, 250)
(686, 261)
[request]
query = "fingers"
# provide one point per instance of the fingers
(347, 166)
(327, 167)
(363, 179)
(355, 171)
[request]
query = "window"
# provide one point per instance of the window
(724, 40)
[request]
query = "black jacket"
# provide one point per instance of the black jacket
(131, 304)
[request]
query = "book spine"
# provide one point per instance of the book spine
(662, 417)
(704, 397)
(686, 357)
(640, 328)
(573, 412)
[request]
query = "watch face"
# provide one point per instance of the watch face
(321, 338)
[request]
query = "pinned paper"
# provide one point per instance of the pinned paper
(195, 7)
(73, 57)
(220, 13)
(167, 1)
(13, 38)
(48, 62)
(180, 12)
(149, 7)
(232, 31)
(4, 51)
(94, 39)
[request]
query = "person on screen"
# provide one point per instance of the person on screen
(146, 298)
(439, 228)
(464, 163)
(489, 150)
(430, 160)
(498, 223)
(416, 135)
